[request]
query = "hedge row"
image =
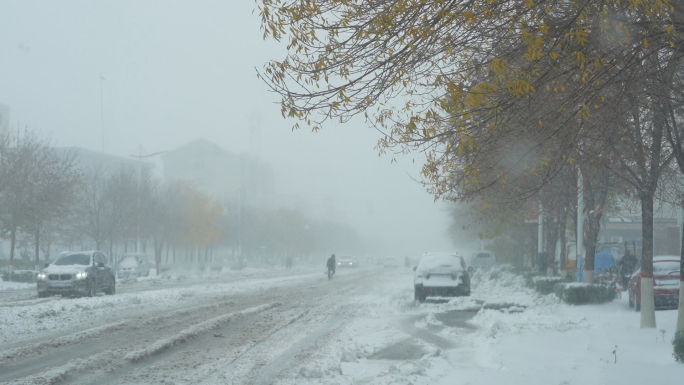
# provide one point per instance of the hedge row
(580, 293)
(678, 344)
(20, 276)
(545, 285)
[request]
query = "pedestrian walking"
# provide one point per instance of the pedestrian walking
(331, 266)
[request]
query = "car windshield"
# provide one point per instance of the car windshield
(129, 261)
(435, 261)
(73, 259)
(665, 267)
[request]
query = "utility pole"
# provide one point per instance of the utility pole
(580, 226)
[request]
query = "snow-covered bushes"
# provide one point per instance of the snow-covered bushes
(678, 344)
(545, 285)
(27, 276)
(530, 276)
(583, 293)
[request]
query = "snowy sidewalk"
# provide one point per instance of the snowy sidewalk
(504, 333)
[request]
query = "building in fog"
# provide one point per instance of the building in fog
(4, 118)
(221, 174)
(88, 159)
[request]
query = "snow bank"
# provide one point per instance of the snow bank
(515, 336)
(5, 286)
(46, 315)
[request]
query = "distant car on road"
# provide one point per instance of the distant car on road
(482, 260)
(345, 261)
(441, 275)
(133, 265)
(390, 262)
(82, 273)
(665, 284)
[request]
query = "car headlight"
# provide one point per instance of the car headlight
(41, 276)
(81, 275)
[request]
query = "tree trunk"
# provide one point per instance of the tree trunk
(595, 194)
(13, 243)
(562, 219)
(551, 241)
(680, 311)
(37, 241)
(47, 250)
(158, 245)
(593, 227)
(647, 297)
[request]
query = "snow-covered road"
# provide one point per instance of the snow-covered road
(243, 331)
(296, 327)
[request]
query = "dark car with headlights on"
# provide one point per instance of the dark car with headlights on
(441, 275)
(82, 273)
(347, 262)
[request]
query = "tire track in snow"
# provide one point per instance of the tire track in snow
(192, 331)
(91, 361)
(107, 358)
(406, 326)
(38, 348)
(268, 372)
(71, 339)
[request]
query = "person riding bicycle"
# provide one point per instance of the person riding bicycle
(628, 264)
(331, 266)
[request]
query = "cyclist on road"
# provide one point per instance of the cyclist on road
(331, 266)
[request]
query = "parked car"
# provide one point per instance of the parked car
(482, 260)
(82, 273)
(390, 262)
(347, 262)
(665, 283)
(133, 265)
(441, 275)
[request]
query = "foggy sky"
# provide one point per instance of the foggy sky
(180, 70)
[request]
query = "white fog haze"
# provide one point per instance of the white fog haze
(348, 192)
(177, 71)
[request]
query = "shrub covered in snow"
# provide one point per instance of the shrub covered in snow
(545, 285)
(678, 344)
(530, 276)
(583, 293)
(27, 276)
